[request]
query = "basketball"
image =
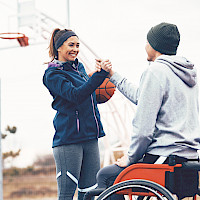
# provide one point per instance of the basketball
(105, 91)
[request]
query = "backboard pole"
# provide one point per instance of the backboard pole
(68, 13)
(1, 159)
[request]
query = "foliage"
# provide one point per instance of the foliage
(43, 165)
(9, 154)
(11, 130)
(44, 160)
(33, 191)
(30, 170)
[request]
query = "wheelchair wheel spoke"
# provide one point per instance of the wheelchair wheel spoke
(136, 190)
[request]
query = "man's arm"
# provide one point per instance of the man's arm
(150, 99)
(129, 90)
(144, 122)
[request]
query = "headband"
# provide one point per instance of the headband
(63, 38)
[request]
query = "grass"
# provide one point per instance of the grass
(30, 187)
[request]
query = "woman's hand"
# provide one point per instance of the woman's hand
(122, 162)
(105, 65)
(98, 65)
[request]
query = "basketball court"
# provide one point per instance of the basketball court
(27, 25)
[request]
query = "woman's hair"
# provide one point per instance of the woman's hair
(53, 53)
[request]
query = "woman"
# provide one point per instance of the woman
(77, 121)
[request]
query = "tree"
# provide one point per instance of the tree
(9, 154)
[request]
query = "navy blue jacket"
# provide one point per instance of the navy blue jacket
(77, 118)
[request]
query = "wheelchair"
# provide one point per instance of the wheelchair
(146, 181)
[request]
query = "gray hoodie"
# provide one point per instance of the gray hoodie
(167, 116)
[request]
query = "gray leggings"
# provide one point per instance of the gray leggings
(76, 165)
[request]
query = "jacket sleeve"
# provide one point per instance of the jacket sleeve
(59, 85)
(144, 122)
(129, 90)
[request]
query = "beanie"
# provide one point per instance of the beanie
(164, 38)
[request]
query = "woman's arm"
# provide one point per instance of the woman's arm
(57, 84)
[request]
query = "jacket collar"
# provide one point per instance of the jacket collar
(64, 65)
(71, 64)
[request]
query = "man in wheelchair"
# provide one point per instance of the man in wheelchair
(166, 122)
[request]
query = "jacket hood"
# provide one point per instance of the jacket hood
(62, 65)
(182, 67)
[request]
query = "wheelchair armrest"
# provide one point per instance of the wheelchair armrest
(95, 192)
(191, 165)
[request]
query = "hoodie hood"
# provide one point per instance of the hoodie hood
(182, 67)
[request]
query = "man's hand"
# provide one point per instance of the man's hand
(105, 65)
(122, 162)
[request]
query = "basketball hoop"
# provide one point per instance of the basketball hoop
(21, 38)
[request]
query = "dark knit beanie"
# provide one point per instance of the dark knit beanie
(164, 38)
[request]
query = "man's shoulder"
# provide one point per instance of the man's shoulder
(157, 67)
(159, 71)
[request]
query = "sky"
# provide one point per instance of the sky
(113, 29)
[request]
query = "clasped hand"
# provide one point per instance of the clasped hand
(105, 65)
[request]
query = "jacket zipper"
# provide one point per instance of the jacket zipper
(93, 108)
(77, 121)
(95, 115)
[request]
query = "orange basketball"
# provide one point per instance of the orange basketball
(105, 91)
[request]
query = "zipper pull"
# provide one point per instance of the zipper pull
(77, 121)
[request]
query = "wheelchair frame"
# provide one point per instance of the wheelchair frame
(147, 180)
